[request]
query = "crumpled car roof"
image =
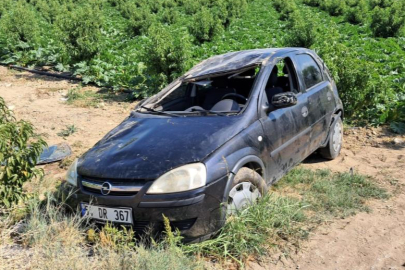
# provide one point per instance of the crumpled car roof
(230, 61)
(224, 63)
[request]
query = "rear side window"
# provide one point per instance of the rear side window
(310, 70)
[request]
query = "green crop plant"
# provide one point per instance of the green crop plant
(302, 32)
(357, 12)
(142, 45)
(388, 21)
(167, 51)
(334, 7)
(82, 30)
(313, 3)
(20, 25)
(205, 26)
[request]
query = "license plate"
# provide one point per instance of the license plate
(118, 215)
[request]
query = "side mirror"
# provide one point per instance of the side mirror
(283, 100)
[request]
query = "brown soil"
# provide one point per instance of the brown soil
(373, 240)
(42, 101)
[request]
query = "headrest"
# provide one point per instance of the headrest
(226, 105)
(273, 78)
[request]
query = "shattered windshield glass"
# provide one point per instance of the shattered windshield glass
(217, 95)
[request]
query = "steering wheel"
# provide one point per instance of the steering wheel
(235, 96)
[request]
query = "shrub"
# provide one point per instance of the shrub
(380, 3)
(140, 19)
(334, 7)
(278, 5)
(205, 26)
(20, 148)
(167, 51)
(5, 5)
(81, 29)
(169, 16)
(287, 9)
(302, 32)
(358, 12)
(352, 76)
(312, 3)
(235, 8)
(387, 22)
(20, 23)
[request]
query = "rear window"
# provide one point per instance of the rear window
(310, 70)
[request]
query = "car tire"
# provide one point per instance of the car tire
(335, 141)
(247, 187)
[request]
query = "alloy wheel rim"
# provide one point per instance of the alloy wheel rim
(337, 136)
(241, 195)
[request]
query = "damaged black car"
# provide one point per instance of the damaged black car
(211, 142)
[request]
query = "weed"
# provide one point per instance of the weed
(70, 129)
(83, 98)
(255, 229)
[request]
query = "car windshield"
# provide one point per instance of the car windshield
(217, 95)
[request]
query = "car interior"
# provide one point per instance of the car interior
(226, 93)
(283, 78)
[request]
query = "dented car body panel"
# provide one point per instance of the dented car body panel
(267, 139)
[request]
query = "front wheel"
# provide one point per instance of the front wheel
(248, 187)
(332, 149)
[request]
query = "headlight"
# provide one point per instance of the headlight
(184, 178)
(71, 176)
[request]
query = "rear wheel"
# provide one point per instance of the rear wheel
(332, 149)
(248, 187)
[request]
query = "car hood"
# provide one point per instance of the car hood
(145, 147)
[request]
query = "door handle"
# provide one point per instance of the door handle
(304, 111)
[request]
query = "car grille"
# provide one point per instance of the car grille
(158, 227)
(118, 187)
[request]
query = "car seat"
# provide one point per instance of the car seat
(271, 86)
(284, 81)
(219, 89)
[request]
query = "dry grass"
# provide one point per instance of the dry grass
(49, 236)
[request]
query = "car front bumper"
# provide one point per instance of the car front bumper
(197, 213)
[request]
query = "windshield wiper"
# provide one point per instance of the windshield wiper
(207, 111)
(159, 112)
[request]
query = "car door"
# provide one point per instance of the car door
(286, 129)
(319, 93)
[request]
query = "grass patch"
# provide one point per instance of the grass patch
(83, 98)
(331, 194)
(254, 230)
(70, 129)
(59, 239)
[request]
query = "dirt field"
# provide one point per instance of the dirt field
(373, 240)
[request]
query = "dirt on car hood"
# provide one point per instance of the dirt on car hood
(146, 147)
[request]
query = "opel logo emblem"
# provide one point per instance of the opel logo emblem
(105, 188)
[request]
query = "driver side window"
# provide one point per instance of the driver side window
(282, 78)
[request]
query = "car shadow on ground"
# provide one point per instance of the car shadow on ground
(314, 158)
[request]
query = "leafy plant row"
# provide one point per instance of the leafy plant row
(386, 17)
(135, 44)
(142, 45)
(369, 71)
